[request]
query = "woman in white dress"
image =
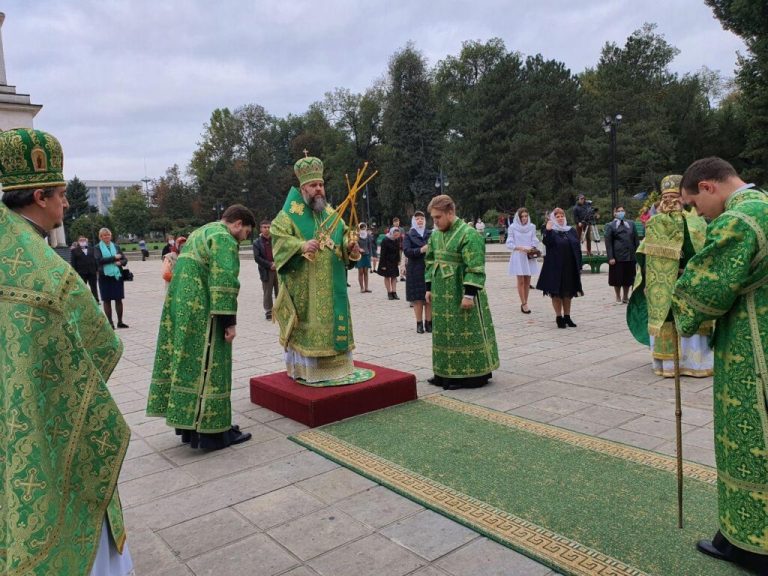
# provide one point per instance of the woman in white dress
(522, 242)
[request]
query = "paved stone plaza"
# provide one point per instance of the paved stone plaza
(270, 507)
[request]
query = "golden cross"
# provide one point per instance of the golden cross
(17, 261)
(29, 484)
(29, 317)
(744, 470)
(82, 540)
(56, 432)
(189, 410)
(13, 425)
(44, 374)
(103, 443)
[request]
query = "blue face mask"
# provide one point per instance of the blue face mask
(620, 215)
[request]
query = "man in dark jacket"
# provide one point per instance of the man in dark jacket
(84, 262)
(584, 215)
(621, 244)
(262, 253)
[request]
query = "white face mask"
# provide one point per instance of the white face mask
(83, 244)
(172, 242)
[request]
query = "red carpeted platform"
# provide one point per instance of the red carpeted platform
(318, 406)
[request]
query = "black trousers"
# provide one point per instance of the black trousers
(91, 280)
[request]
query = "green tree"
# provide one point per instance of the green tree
(88, 225)
(172, 197)
(77, 196)
(749, 20)
(130, 213)
(409, 155)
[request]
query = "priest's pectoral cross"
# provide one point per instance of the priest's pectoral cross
(29, 484)
(17, 262)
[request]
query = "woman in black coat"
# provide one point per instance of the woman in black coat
(621, 244)
(414, 248)
(110, 261)
(560, 276)
(389, 261)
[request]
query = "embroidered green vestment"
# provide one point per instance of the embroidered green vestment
(728, 281)
(192, 376)
(463, 341)
(62, 437)
(312, 305)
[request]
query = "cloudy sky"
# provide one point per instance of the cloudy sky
(129, 83)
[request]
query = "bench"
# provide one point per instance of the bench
(594, 262)
(492, 234)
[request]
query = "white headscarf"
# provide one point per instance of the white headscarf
(362, 232)
(556, 226)
(420, 229)
(391, 232)
(517, 226)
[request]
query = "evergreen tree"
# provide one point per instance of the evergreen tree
(130, 213)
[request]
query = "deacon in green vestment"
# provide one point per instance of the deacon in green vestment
(672, 237)
(312, 248)
(727, 281)
(62, 437)
(464, 351)
(192, 376)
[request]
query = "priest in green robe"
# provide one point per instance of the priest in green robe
(63, 438)
(313, 248)
(464, 350)
(192, 375)
(727, 281)
(672, 237)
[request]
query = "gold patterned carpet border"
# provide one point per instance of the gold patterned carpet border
(534, 541)
(637, 455)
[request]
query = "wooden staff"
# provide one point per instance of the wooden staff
(678, 428)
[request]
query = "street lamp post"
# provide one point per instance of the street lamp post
(218, 208)
(610, 124)
(441, 182)
(367, 198)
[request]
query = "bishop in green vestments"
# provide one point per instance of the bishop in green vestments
(192, 376)
(312, 250)
(464, 351)
(62, 437)
(727, 281)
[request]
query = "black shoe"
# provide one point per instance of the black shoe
(122, 325)
(721, 549)
(395, 296)
(706, 547)
(560, 322)
(435, 381)
(453, 386)
(568, 321)
(390, 295)
(420, 327)
(428, 326)
(238, 437)
(268, 315)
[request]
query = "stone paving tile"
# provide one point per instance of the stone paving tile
(374, 555)
(576, 375)
(206, 533)
(490, 559)
(378, 506)
(243, 557)
(336, 484)
(279, 506)
(577, 425)
(318, 532)
(429, 534)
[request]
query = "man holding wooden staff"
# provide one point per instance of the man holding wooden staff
(727, 281)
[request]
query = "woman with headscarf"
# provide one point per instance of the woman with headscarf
(523, 263)
(389, 261)
(414, 248)
(560, 277)
(367, 245)
(110, 261)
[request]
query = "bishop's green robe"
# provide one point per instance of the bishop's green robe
(312, 306)
(192, 376)
(62, 437)
(463, 341)
(727, 281)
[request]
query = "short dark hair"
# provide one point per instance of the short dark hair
(20, 198)
(265, 223)
(239, 212)
(419, 213)
(712, 168)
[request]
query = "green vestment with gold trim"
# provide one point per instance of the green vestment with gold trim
(727, 281)
(312, 306)
(192, 376)
(463, 341)
(62, 437)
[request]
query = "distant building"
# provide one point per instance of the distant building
(101, 193)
